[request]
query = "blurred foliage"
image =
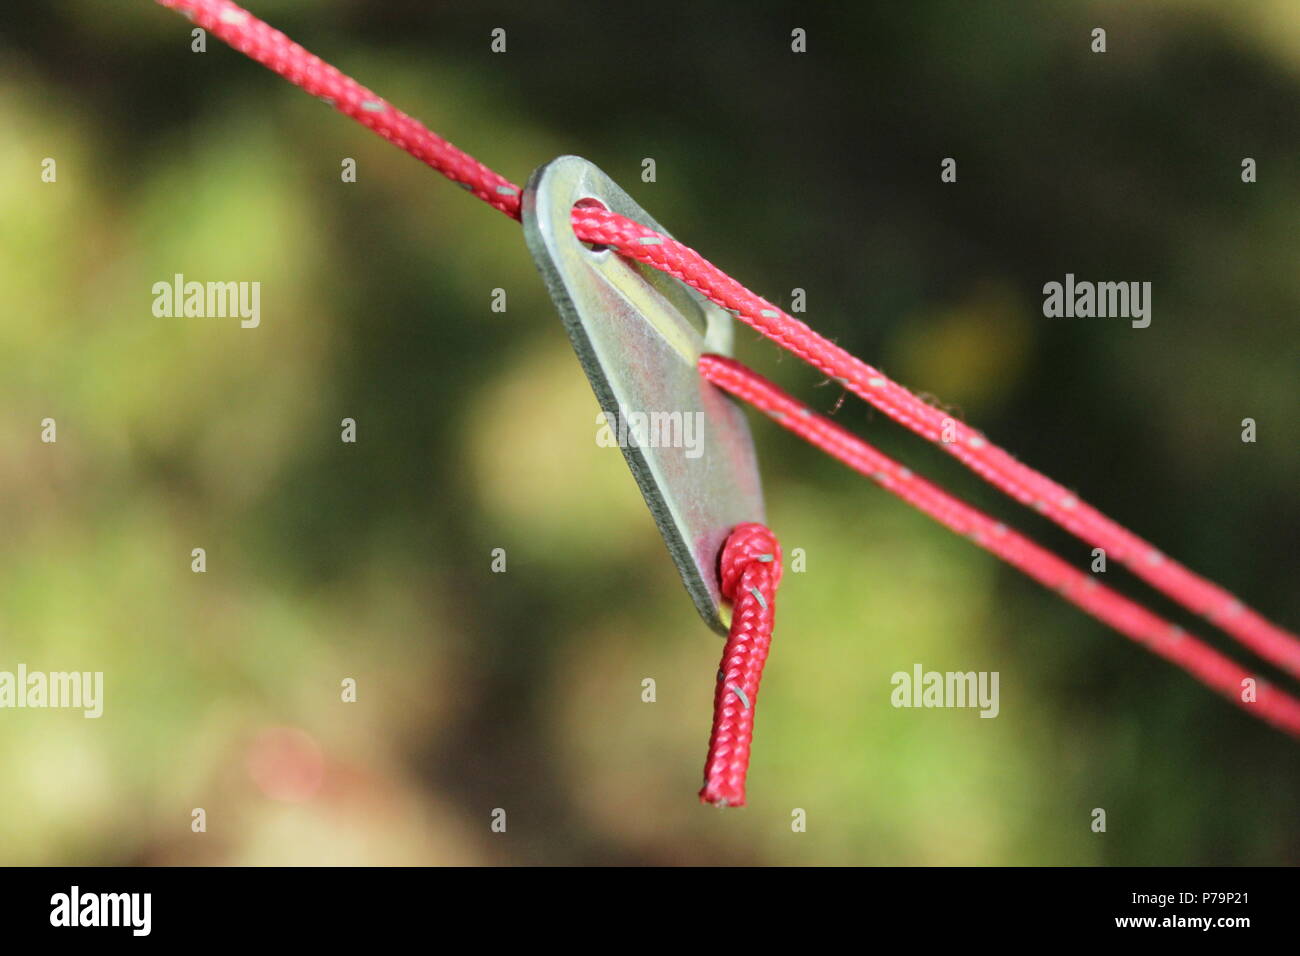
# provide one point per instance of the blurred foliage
(522, 690)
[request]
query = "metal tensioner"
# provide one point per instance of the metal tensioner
(639, 334)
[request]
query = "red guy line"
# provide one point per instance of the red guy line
(729, 748)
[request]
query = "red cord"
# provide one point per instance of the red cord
(1083, 590)
(972, 448)
(273, 49)
(751, 570)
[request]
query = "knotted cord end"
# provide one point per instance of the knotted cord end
(750, 570)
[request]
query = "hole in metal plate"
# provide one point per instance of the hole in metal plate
(638, 334)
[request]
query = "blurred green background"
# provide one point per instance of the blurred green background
(522, 690)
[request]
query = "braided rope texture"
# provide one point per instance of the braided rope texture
(750, 569)
(990, 462)
(1129, 618)
(246, 33)
(275, 51)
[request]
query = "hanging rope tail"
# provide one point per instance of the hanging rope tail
(750, 571)
(750, 564)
